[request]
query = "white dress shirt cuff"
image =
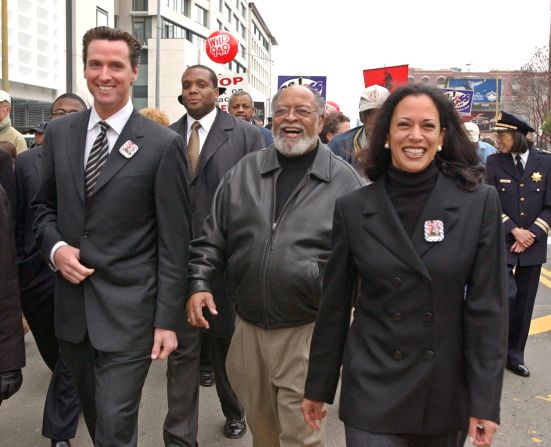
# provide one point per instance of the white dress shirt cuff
(54, 248)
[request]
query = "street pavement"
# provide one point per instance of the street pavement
(526, 403)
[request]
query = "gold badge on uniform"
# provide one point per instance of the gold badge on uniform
(434, 230)
(536, 177)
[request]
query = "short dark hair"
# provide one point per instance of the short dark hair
(107, 33)
(332, 122)
(68, 96)
(457, 159)
(212, 75)
(241, 93)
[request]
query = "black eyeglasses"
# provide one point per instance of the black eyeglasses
(282, 112)
(62, 112)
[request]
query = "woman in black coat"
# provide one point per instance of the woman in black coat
(422, 362)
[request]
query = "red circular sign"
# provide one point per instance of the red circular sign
(221, 47)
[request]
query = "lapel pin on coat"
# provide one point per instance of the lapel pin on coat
(434, 230)
(128, 149)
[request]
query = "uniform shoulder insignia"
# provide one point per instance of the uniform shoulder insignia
(543, 151)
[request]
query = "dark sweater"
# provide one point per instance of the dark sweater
(409, 192)
(294, 169)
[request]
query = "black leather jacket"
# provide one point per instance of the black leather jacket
(273, 269)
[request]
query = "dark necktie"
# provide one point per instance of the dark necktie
(520, 167)
(193, 147)
(96, 159)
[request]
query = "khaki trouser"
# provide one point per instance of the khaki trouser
(267, 369)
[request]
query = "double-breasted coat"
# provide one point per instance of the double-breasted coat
(426, 348)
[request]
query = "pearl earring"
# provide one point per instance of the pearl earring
(387, 146)
(439, 148)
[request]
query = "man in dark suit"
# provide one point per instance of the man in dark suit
(36, 285)
(112, 216)
(241, 105)
(12, 344)
(213, 146)
(522, 177)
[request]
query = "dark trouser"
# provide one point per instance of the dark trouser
(360, 438)
(181, 422)
(523, 287)
(62, 407)
(231, 407)
(109, 385)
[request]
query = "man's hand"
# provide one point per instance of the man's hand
(481, 431)
(313, 412)
(524, 237)
(195, 305)
(517, 247)
(67, 261)
(164, 342)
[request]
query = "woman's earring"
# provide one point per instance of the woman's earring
(439, 148)
(387, 146)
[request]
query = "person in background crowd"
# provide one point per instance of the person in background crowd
(156, 115)
(350, 145)
(241, 105)
(215, 142)
(522, 177)
(113, 219)
(36, 285)
(7, 132)
(422, 363)
(483, 149)
(12, 343)
(269, 231)
(10, 149)
(39, 133)
(336, 123)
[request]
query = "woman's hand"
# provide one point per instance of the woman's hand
(313, 412)
(481, 431)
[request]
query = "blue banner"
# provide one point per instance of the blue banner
(318, 83)
(462, 99)
(485, 91)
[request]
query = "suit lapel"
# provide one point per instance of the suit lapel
(508, 165)
(216, 138)
(116, 161)
(383, 223)
(75, 144)
(531, 164)
(439, 206)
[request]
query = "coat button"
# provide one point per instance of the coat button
(521, 185)
(522, 199)
(522, 214)
(427, 316)
(429, 355)
(86, 235)
(397, 355)
(397, 282)
(397, 316)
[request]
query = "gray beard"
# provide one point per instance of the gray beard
(300, 147)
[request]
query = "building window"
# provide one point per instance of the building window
(186, 7)
(139, 5)
(102, 17)
(116, 21)
(411, 80)
(220, 26)
(236, 22)
(228, 13)
(242, 51)
(243, 32)
(243, 10)
(141, 28)
(441, 81)
(425, 80)
(201, 16)
(221, 5)
(515, 84)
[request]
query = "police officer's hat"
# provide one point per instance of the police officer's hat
(509, 122)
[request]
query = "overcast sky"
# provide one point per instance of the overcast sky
(340, 41)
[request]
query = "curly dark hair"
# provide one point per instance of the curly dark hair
(457, 159)
(332, 123)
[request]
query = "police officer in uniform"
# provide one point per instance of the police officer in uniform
(522, 177)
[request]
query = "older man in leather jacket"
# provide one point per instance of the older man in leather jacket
(270, 232)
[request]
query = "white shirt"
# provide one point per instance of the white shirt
(523, 158)
(206, 123)
(116, 122)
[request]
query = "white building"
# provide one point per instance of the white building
(45, 47)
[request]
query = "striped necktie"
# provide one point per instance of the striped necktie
(520, 166)
(97, 158)
(193, 147)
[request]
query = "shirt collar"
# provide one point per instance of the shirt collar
(206, 122)
(117, 121)
(523, 156)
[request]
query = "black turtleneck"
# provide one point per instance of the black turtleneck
(409, 192)
(293, 170)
